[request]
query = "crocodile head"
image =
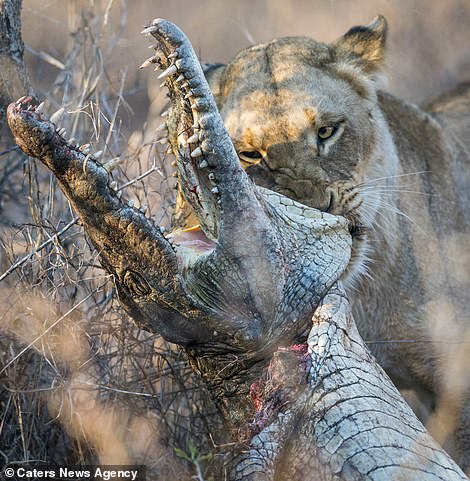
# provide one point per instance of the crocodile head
(242, 285)
(250, 278)
(271, 259)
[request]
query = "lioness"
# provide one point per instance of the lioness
(308, 120)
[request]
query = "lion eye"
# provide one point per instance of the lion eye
(250, 155)
(326, 132)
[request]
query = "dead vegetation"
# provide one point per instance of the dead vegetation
(74, 388)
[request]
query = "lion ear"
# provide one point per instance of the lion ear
(365, 43)
(213, 73)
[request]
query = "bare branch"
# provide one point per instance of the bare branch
(24, 259)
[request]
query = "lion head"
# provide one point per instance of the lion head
(305, 121)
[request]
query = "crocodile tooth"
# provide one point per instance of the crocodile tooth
(193, 139)
(111, 164)
(143, 208)
(151, 60)
(185, 84)
(119, 194)
(169, 71)
(84, 147)
(20, 99)
(211, 177)
(174, 174)
(162, 229)
(174, 163)
(155, 46)
(173, 55)
(40, 107)
(179, 64)
(165, 113)
(130, 203)
(163, 84)
(197, 152)
(215, 190)
(98, 154)
(56, 116)
(206, 146)
(151, 29)
(203, 164)
(113, 185)
(197, 104)
(62, 132)
(181, 78)
(161, 128)
(188, 95)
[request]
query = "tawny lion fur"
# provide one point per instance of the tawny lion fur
(307, 120)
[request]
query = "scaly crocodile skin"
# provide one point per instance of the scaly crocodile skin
(350, 422)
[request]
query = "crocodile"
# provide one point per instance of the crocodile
(302, 396)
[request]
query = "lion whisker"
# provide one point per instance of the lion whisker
(396, 190)
(381, 203)
(393, 177)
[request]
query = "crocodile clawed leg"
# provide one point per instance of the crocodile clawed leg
(142, 260)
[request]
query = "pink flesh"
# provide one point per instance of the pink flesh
(194, 239)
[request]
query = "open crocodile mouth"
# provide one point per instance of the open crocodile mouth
(197, 136)
(190, 244)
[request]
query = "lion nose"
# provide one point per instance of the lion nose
(329, 201)
(321, 199)
(324, 201)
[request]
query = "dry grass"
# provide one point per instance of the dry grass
(78, 381)
(74, 388)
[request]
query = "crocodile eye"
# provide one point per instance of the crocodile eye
(250, 156)
(326, 132)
